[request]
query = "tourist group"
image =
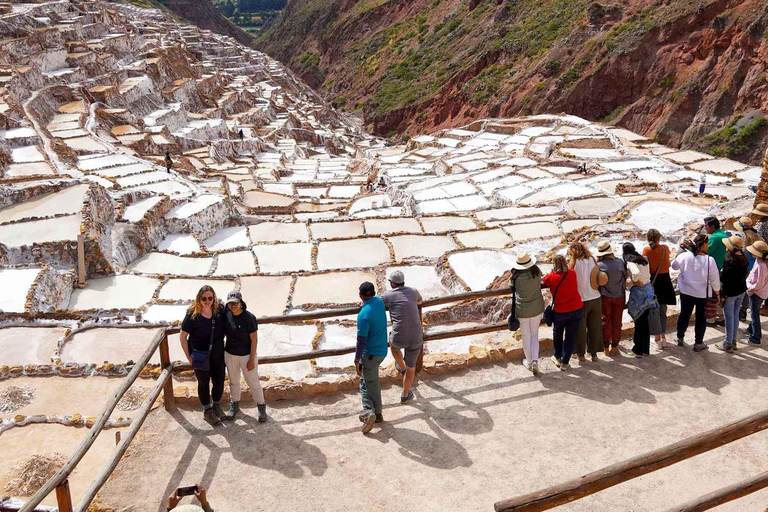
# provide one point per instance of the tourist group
(721, 276)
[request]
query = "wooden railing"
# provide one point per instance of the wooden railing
(59, 482)
(615, 474)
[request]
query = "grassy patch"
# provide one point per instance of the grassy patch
(614, 113)
(487, 83)
(309, 58)
(537, 25)
(733, 141)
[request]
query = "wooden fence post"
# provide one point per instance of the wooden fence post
(63, 497)
(117, 438)
(165, 362)
(81, 260)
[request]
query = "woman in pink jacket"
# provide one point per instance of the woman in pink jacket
(757, 289)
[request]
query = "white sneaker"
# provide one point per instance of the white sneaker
(557, 361)
(527, 365)
(664, 344)
(564, 366)
(535, 367)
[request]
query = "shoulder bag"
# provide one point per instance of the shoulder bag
(512, 322)
(201, 359)
(549, 312)
(661, 262)
(710, 306)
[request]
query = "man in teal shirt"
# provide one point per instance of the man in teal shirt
(370, 353)
(718, 251)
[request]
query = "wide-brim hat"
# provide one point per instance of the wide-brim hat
(744, 222)
(733, 241)
(523, 261)
(761, 210)
(604, 248)
(759, 249)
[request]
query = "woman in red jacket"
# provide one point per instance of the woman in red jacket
(568, 309)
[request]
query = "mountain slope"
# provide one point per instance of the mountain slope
(203, 14)
(677, 70)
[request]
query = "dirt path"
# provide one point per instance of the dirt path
(468, 440)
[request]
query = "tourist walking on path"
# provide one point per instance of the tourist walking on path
(658, 256)
(717, 250)
(750, 235)
(168, 161)
(733, 287)
(407, 334)
(612, 296)
(642, 299)
(757, 289)
(370, 351)
(525, 282)
(590, 333)
(202, 339)
(567, 309)
(698, 280)
(240, 355)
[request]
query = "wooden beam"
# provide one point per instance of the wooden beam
(119, 451)
(63, 473)
(165, 362)
(724, 495)
(614, 474)
(63, 497)
(81, 277)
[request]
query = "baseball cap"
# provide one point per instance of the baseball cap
(234, 296)
(397, 277)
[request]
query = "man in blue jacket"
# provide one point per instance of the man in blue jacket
(370, 352)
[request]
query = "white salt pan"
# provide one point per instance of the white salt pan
(121, 292)
(284, 257)
(228, 238)
(180, 243)
(15, 284)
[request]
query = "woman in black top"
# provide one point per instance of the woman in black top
(202, 331)
(733, 286)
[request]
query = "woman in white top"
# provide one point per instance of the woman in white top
(589, 335)
(640, 271)
(698, 279)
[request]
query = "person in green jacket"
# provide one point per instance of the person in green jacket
(718, 251)
(525, 282)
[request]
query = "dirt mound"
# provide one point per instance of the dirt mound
(133, 398)
(26, 477)
(13, 398)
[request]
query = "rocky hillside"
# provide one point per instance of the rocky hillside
(689, 73)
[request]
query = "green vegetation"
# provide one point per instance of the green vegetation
(309, 58)
(145, 4)
(553, 67)
(667, 82)
(253, 16)
(733, 141)
(573, 74)
(614, 114)
(487, 83)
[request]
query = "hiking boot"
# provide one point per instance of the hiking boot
(262, 412)
(211, 417)
(724, 348)
(698, 347)
(582, 359)
(370, 419)
(535, 367)
(594, 358)
(409, 396)
(564, 366)
(364, 416)
(219, 413)
(234, 408)
(614, 351)
(557, 361)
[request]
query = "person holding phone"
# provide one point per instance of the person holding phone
(197, 490)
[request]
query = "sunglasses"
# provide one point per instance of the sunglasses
(206, 299)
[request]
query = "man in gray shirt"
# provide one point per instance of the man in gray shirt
(406, 334)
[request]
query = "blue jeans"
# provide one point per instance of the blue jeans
(370, 387)
(731, 310)
(754, 330)
(568, 324)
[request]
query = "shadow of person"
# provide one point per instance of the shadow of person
(269, 446)
(438, 451)
(478, 422)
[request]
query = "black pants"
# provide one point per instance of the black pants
(642, 336)
(687, 304)
(215, 375)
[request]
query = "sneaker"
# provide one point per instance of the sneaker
(582, 359)
(720, 323)
(698, 347)
(564, 366)
(262, 412)
(363, 417)
(370, 419)
(557, 361)
(631, 353)
(211, 417)
(607, 351)
(753, 343)
(664, 344)
(535, 367)
(409, 396)
(379, 418)
(724, 348)
(219, 413)
(614, 351)
(594, 358)
(399, 369)
(234, 408)
(680, 342)
(527, 365)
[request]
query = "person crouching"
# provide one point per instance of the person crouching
(240, 355)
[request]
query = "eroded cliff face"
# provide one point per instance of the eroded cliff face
(691, 74)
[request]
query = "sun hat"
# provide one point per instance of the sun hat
(761, 210)
(523, 261)
(397, 277)
(234, 296)
(759, 249)
(604, 248)
(733, 241)
(744, 222)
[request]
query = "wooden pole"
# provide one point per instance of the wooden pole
(165, 362)
(117, 454)
(63, 473)
(724, 495)
(81, 259)
(117, 437)
(63, 497)
(609, 476)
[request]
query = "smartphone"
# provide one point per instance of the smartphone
(189, 490)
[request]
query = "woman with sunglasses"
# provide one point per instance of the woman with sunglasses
(202, 339)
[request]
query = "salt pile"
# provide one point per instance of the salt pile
(133, 398)
(29, 475)
(14, 398)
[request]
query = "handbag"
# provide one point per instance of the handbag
(549, 312)
(512, 322)
(710, 306)
(201, 359)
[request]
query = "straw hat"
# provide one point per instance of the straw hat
(733, 241)
(759, 249)
(761, 210)
(524, 261)
(744, 222)
(604, 248)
